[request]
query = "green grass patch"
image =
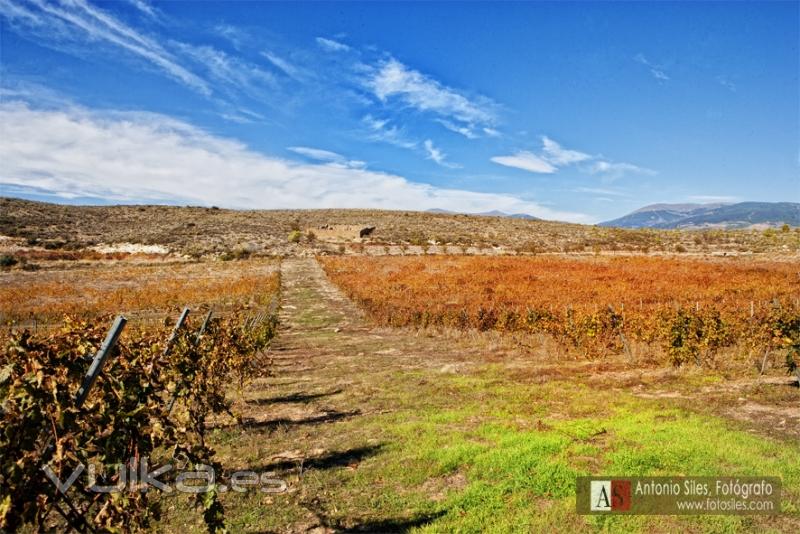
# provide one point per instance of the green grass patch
(521, 465)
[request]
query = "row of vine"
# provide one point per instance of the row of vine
(690, 309)
(125, 419)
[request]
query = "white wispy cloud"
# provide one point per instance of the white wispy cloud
(612, 171)
(656, 71)
(78, 21)
(16, 89)
(332, 46)
(381, 130)
(558, 155)
(316, 153)
(288, 68)
(240, 115)
(238, 118)
(234, 34)
(17, 13)
(392, 79)
(527, 161)
(129, 157)
(459, 129)
(229, 70)
(145, 7)
(439, 157)
(553, 156)
(327, 156)
(601, 191)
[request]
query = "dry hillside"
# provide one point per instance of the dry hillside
(202, 230)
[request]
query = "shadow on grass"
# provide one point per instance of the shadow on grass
(293, 397)
(384, 526)
(390, 525)
(329, 460)
(283, 422)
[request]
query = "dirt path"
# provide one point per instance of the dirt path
(314, 421)
(333, 421)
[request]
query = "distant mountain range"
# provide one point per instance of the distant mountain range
(493, 213)
(739, 215)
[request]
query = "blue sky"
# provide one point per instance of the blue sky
(579, 112)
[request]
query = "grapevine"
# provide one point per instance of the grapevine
(124, 417)
(690, 308)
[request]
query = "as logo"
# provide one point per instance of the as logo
(610, 495)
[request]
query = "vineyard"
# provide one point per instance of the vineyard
(134, 289)
(688, 308)
(213, 389)
(151, 401)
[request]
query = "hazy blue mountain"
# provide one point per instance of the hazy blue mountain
(739, 215)
(493, 213)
